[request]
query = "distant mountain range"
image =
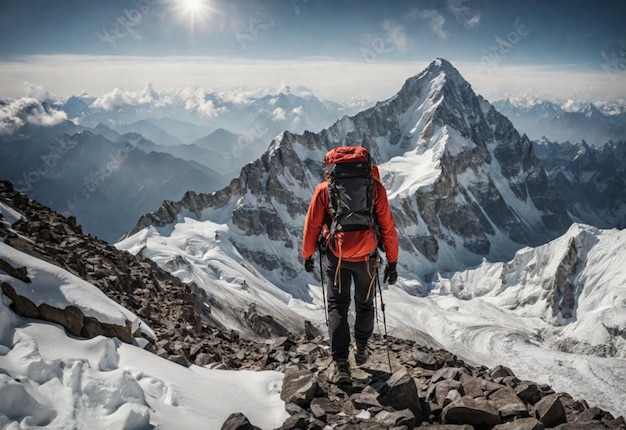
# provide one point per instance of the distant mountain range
(550, 120)
(106, 183)
(110, 159)
(221, 151)
(592, 180)
(174, 117)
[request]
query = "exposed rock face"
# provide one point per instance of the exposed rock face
(20, 273)
(477, 208)
(238, 421)
(192, 201)
(560, 292)
(488, 176)
(71, 318)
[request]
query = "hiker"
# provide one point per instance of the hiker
(349, 252)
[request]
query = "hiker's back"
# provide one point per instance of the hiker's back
(351, 200)
(350, 188)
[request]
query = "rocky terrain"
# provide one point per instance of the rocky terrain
(182, 320)
(403, 385)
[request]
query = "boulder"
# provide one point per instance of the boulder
(20, 273)
(508, 403)
(528, 391)
(467, 410)
(529, 423)
(438, 393)
(299, 387)
(402, 393)
(402, 418)
(550, 411)
(238, 421)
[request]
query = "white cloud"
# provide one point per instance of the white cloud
(27, 110)
(114, 99)
(198, 100)
(202, 102)
(118, 98)
(473, 21)
(523, 100)
(278, 114)
(571, 106)
(435, 20)
(208, 109)
(395, 35)
(238, 96)
(463, 13)
(295, 114)
(283, 88)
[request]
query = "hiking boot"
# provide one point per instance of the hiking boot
(341, 373)
(361, 354)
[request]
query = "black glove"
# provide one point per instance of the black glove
(308, 265)
(391, 274)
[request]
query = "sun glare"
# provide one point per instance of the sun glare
(192, 6)
(196, 12)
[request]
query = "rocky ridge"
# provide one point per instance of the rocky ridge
(423, 387)
(182, 322)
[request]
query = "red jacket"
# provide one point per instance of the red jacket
(355, 245)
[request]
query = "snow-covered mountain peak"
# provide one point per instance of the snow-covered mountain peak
(442, 66)
(437, 98)
(438, 68)
(590, 111)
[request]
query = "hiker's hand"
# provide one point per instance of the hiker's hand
(391, 274)
(308, 265)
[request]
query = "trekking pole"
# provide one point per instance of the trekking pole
(382, 308)
(323, 288)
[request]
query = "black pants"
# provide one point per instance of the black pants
(363, 274)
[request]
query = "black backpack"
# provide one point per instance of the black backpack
(350, 188)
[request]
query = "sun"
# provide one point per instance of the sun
(196, 12)
(192, 7)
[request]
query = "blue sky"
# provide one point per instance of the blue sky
(340, 49)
